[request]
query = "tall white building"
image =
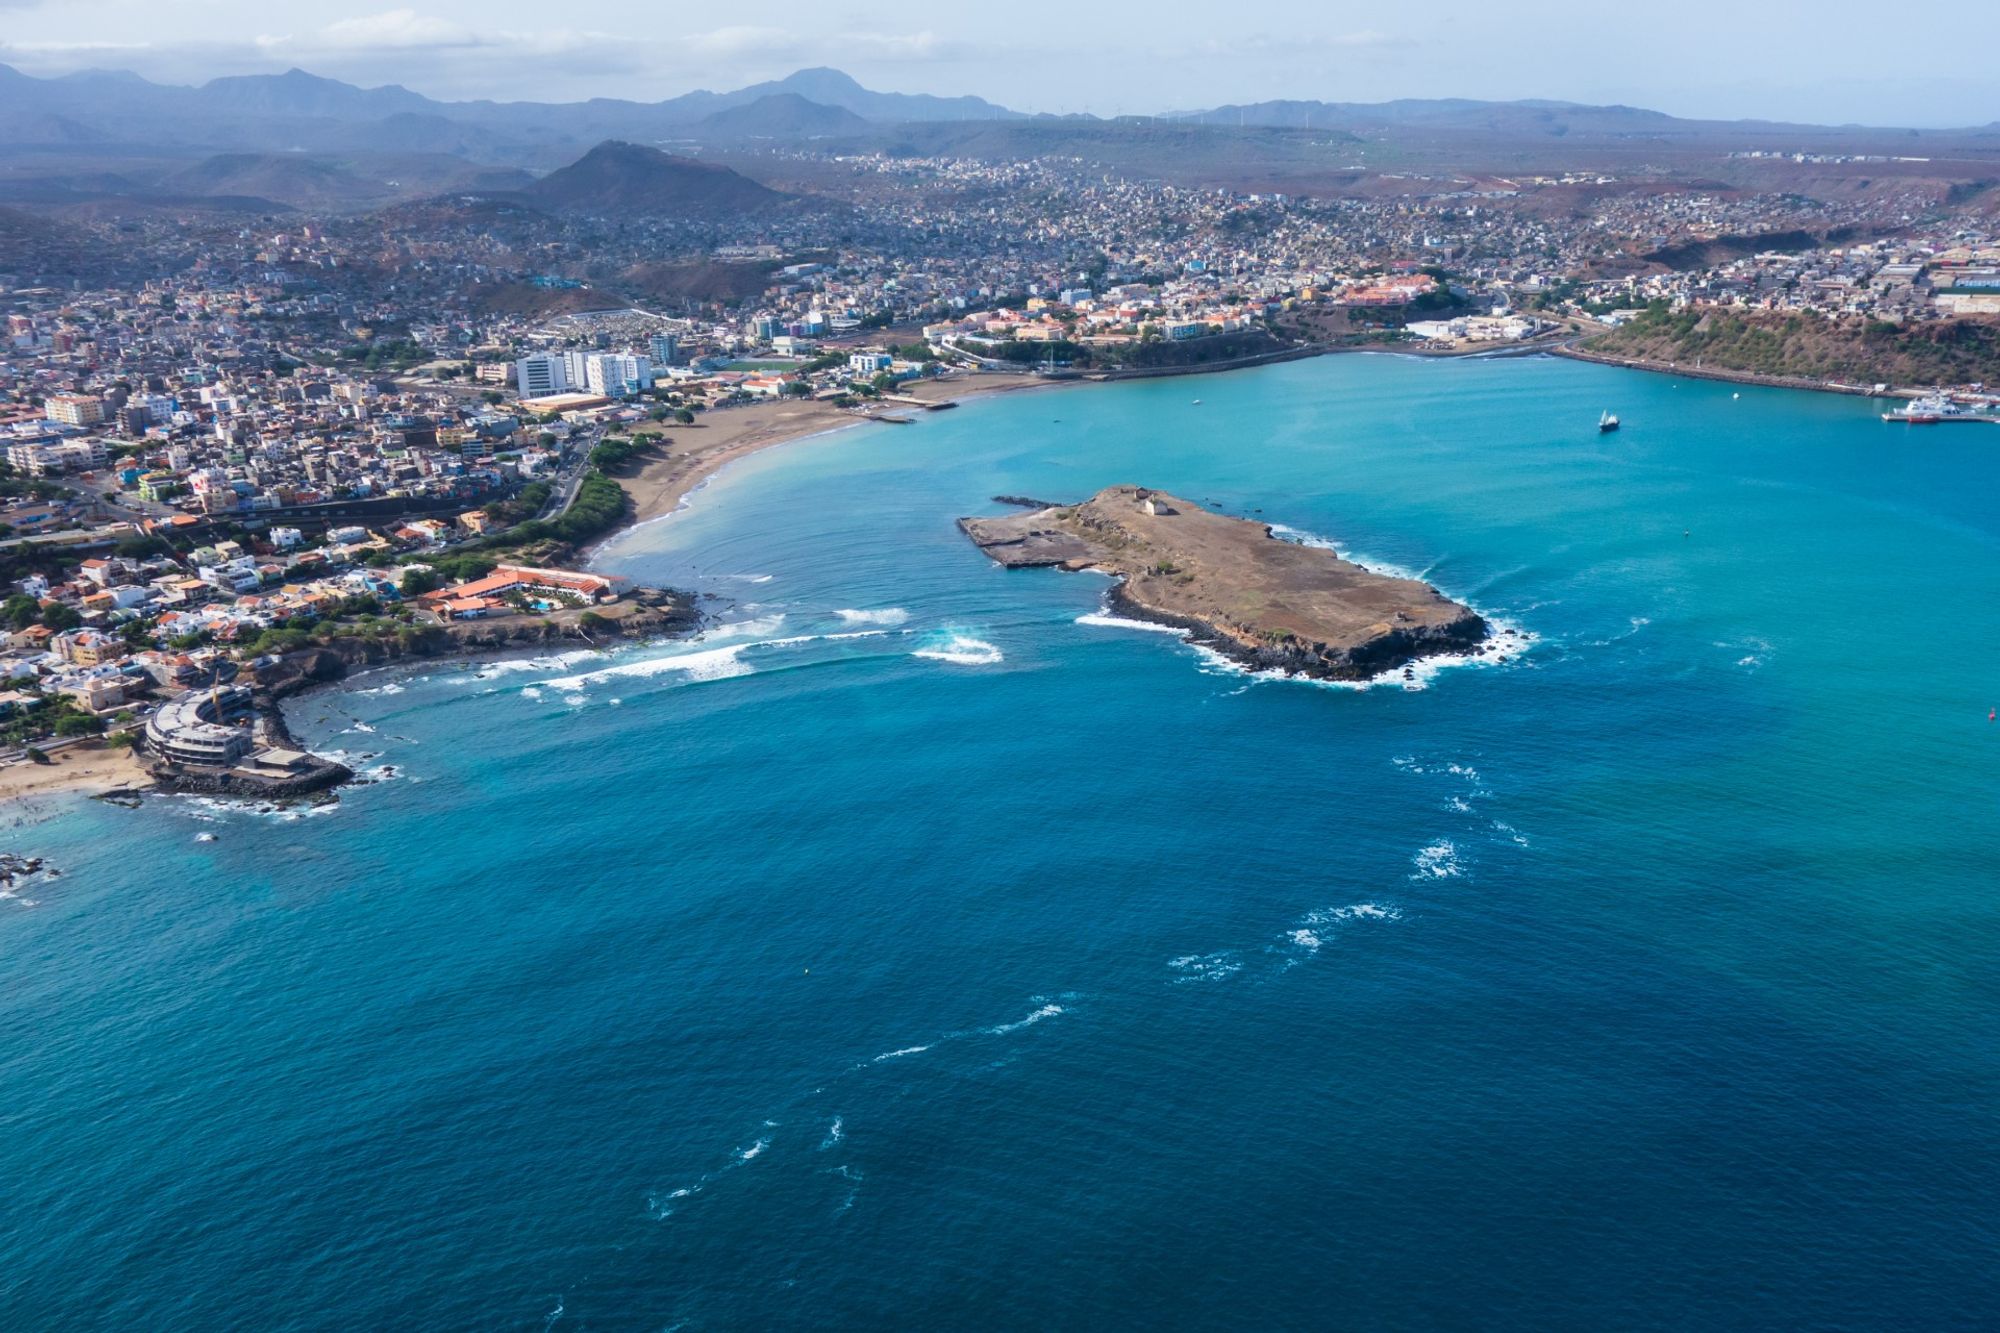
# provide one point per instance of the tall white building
(541, 374)
(617, 376)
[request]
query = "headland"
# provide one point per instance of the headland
(1235, 587)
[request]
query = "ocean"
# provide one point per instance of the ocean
(922, 948)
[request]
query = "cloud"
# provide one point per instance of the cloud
(390, 30)
(1296, 44)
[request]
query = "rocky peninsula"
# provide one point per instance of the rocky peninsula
(1269, 604)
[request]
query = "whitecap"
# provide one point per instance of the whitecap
(1437, 861)
(1305, 939)
(1105, 620)
(962, 650)
(1046, 1011)
(899, 1054)
(1206, 966)
(754, 1150)
(835, 1132)
(888, 615)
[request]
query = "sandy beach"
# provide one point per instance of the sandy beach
(720, 437)
(76, 768)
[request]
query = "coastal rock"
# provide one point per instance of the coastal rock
(1234, 587)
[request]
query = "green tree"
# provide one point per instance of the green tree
(60, 616)
(21, 610)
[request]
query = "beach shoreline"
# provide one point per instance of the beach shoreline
(695, 453)
(84, 770)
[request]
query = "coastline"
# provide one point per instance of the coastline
(85, 770)
(1727, 376)
(696, 453)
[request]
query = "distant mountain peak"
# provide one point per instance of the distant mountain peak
(620, 177)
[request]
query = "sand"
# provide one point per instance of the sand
(721, 436)
(77, 768)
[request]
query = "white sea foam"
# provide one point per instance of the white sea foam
(661, 1208)
(1506, 640)
(754, 1150)
(391, 688)
(531, 692)
(1206, 966)
(1046, 1011)
(749, 578)
(962, 650)
(1512, 834)
(745, 629)
(899, 1054)
(835, 1132)
(1437, 861)
(888, 615)
(362, 727)
(1105, 620)
(1305, 939)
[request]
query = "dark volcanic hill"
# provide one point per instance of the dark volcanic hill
(616, 177)
(780, 116)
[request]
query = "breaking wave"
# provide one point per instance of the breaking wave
(1046, 1011)
(962, 650)
(888, 615)
(1105, 620)
(1437, 861)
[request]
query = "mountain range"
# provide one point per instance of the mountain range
(110, 138)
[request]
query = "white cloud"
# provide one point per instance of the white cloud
(390, 30)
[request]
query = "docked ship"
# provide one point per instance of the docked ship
(1607, 423)
(1927, 411)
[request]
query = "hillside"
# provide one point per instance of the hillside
(1855, 351)
(615, 178)
(780, 116)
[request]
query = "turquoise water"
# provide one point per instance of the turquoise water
(958, 963)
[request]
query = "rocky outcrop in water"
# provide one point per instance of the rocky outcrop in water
(1270, 604)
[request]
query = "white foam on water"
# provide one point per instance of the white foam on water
(391, 688)
(508, 666)
(531, 692)
(962, 650)
(1330, 916)
(576, 700)
(660, 1209)
(749, 578)
(745, 629)
(1104, 620)
(1046, 1011)
(751, 1153)
(1206, 966)
(1512, 834)
(361, 727)
(1305, 939)
(1505, 639)
(888, 615)
(835, 1132)
(899, 1054)
(1437, 861)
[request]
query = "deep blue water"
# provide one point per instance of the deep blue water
(1064, 978)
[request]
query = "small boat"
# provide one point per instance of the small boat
(1607, 423)
(1197, 402)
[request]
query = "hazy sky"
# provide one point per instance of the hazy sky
(1831, 61)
